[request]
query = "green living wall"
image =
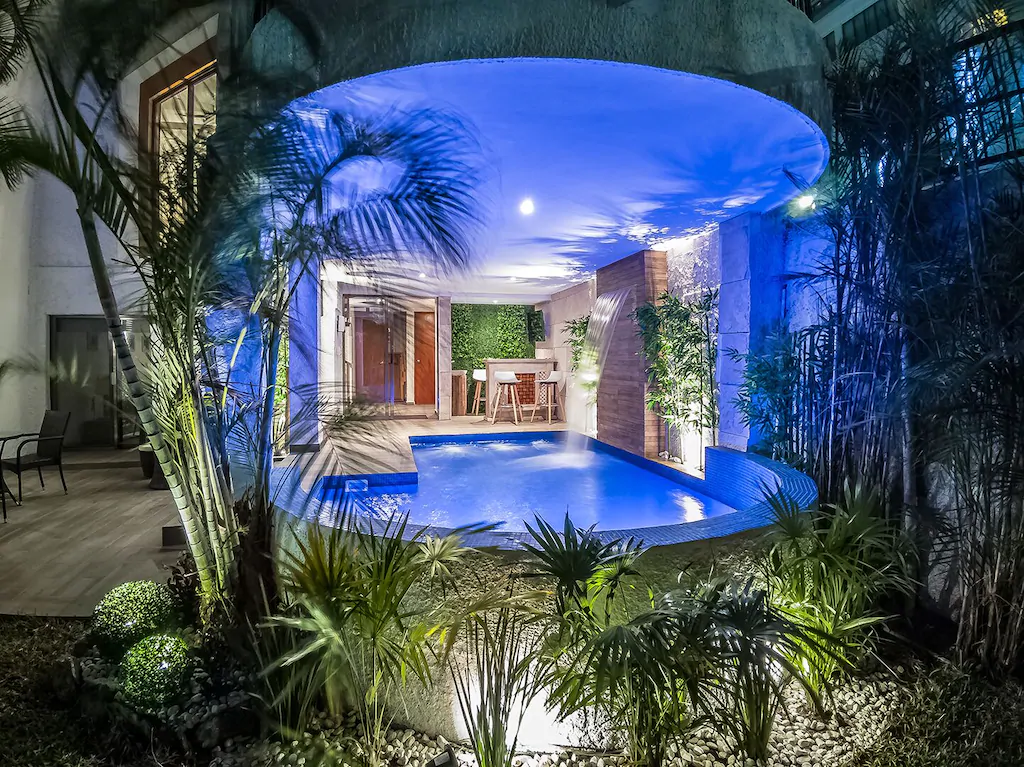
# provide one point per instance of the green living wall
(481, 331)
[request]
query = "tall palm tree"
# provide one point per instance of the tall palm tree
(66, 141)
(231, 237)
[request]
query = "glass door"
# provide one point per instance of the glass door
(378, 353)
(82, 355)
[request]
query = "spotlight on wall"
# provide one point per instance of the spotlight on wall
(526, 207)
(804, 201)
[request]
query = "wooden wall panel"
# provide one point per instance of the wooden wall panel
(623, 419)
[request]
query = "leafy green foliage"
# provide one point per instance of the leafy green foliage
(156, 670)
(222, 231)
(756, 650)
(132, 611)
(767, 397)
(952, 718)
(680, 345)
(587, 572)
(480, 332)
(575, 332)
(42, 723)
(706, 653)
(497, 676)
(536, 331)
(356, 633)
(827, 571)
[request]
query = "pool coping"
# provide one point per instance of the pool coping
(750, 478)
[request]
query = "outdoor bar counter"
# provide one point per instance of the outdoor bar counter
(526, 370)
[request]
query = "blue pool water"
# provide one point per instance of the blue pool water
(508, 481)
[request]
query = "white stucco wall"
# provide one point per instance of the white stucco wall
(43, 263)
(15, 290)
(568, 304)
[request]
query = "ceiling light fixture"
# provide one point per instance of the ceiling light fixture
(805, 201)
(526, 207)
(423, 276)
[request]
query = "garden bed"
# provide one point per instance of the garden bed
(65, 703)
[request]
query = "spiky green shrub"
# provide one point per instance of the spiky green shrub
(156, 670)
(828, 570)
(352, 632)
(587, 572)
(133, 611)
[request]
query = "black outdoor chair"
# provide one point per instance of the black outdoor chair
(49, 450)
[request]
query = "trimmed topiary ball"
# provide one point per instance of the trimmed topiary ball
(132, 612)
(156, 670)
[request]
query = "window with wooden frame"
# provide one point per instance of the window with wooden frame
(178, 115)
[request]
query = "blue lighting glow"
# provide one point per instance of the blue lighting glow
(622, 156)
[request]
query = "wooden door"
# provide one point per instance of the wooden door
(374, 356)
(425, 372)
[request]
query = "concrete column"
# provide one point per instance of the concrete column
(443, 333)
(751, 250)
(328, 320)
(733, 324)
(410, 357)
(303, 363)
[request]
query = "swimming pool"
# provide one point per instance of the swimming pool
(508, 481)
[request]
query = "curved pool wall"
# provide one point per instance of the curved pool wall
(736, 479)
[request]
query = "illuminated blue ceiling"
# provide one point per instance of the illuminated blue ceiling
(615, 158)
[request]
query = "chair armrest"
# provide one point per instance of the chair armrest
(36, 441)
(5, 440)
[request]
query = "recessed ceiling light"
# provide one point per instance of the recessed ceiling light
(526, 207)
(423, 276)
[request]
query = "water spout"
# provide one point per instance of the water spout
(588, 374)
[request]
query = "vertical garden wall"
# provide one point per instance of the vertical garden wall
(481, 331)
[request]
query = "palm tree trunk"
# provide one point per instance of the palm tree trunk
(140, 399)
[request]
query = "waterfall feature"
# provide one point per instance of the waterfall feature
(588, 374)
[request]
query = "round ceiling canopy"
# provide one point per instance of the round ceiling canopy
(590, 161)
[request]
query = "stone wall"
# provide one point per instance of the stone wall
(623, 419)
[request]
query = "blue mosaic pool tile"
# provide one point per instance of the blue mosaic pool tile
(740, 480)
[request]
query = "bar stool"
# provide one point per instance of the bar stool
(507, 383)
(548, 391)
(480, 390)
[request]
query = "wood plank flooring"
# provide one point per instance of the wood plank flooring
(59, 554)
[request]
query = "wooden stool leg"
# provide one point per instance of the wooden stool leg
(515, 404)
(534, 411)
(476, 399)
(495, 403)
(551, 395)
